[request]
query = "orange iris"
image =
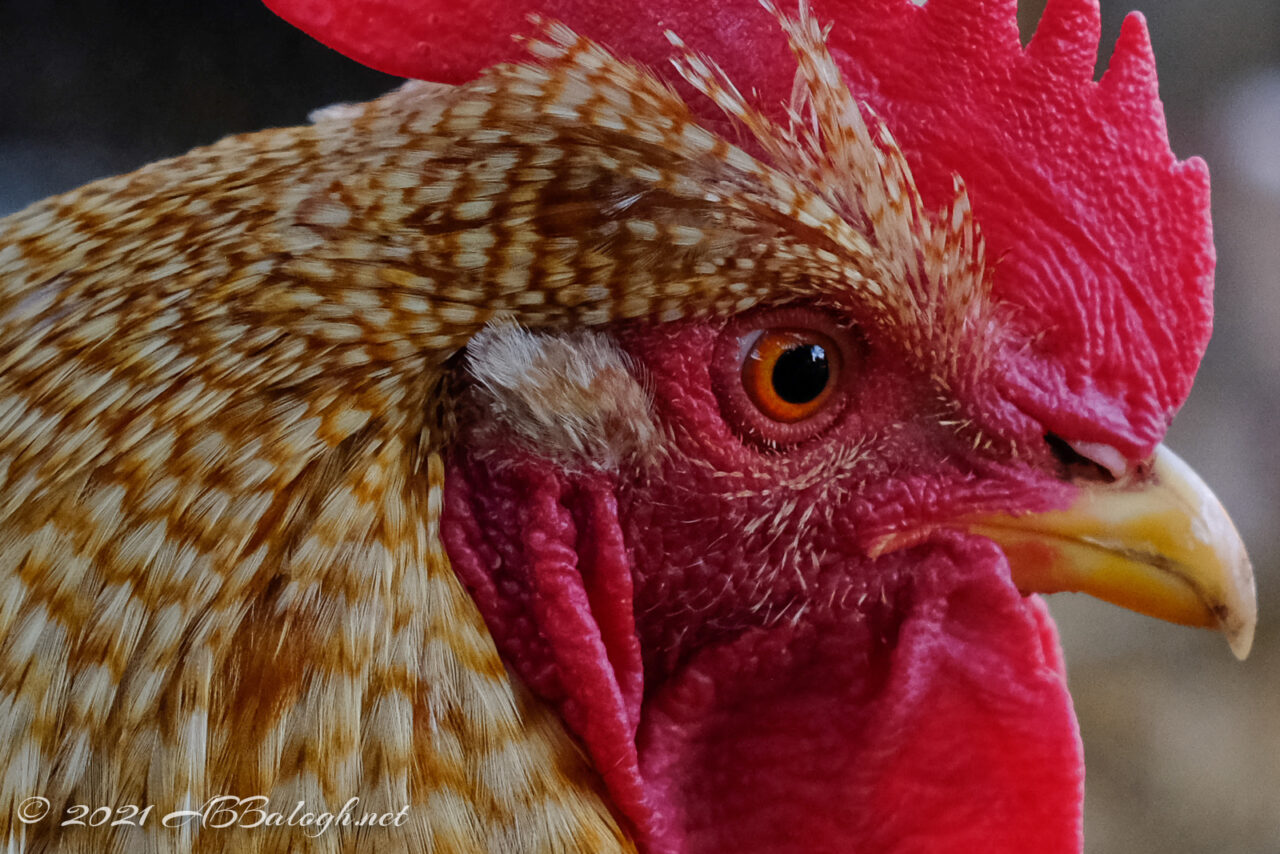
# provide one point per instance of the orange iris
(789, 373)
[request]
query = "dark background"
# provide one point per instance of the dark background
(1182, 743)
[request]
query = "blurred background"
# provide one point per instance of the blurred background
(1182, 743)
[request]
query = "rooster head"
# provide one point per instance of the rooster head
(832, 377)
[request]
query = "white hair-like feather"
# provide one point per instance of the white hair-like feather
(571, 397)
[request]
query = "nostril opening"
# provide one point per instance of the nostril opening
(1075, 465)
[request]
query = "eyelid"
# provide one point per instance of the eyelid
(747, 342)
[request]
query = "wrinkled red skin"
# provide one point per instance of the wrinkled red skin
(797, 696)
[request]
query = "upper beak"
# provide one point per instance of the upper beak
(1156, 541)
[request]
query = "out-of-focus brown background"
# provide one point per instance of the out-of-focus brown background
(1182, 743)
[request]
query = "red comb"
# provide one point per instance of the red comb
(1100, 236)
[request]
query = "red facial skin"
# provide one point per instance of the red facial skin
(777, 689)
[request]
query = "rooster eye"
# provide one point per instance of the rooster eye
(785, 375)
(789, 373)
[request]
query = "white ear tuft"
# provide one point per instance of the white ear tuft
(571, 397)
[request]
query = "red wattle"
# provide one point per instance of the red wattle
(560, 608)
(943, 729)
(931, 718)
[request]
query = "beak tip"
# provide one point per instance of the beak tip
(1239, 619)
(1240, 626)
(1241, 641)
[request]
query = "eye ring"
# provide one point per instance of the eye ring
(773, 385)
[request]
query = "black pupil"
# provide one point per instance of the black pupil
(801, 373)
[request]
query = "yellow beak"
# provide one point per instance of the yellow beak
(1156, 541)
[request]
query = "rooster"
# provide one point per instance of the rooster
(588, 456)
